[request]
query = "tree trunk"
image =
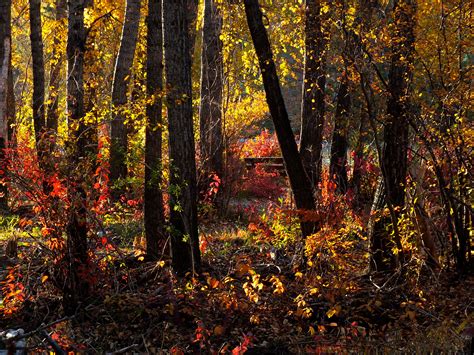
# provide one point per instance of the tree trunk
(55, 74)
(183, 191)
(314, 83)
(77, 286)
(299, 181)
(119, 141)
(210, 113)
(338, 163)
(357, 171)
(363, 24)
(153, 204)
(11, 109)
(394, 151)
(5, 63)
(36, 38)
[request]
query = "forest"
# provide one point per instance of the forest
(236, 176)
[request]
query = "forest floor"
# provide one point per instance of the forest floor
(247, 299)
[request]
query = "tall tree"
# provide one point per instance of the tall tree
(299, 181)
(11, 106)
(338, 161)
(192, 12)
(391, 190)
(314, 83)
(153, 204)
(5, 63)
(119, 141)
(210, 112)
(77, 286)
(363, 24)
(36, 38)
(55, 72)
(183, 195)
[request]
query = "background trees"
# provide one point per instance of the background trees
(210, 110)
(300, 184)
(38, 70)
(55, 71)
(5, 58)
(118, 135)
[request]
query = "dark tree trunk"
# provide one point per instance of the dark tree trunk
(36, 38)
(153, 204)
(210, 113)
(357, 171)
(363, 24)
(314, 83)
(183, 192)
(338, 163)
(77, 287)
(394, 151)
(299, 181)
(118, 136)
(382, 258)
(55, 74)
(5, 63)
(11, 109)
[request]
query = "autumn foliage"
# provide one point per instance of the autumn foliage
(148, 199)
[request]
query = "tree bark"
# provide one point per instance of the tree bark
(299, 181)
(314, 83)
(36, 38)
(153, 199)
(357, 172)
(394, 150)
(77, 287)
(119, 141)
(338, 162)
(210, 112)
(363, 24)
(11, 109)
(5, 63)
(183, 194)
(55, 74)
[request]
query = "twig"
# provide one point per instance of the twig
(41, 328)
(53, 343)
(144, 343)
(123, 350)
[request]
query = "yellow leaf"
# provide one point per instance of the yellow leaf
(44, 278)
(334, 311)
(331, 312)
(254, 319)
